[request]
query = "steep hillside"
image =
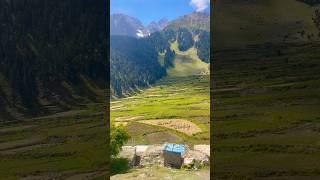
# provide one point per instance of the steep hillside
(195, 20)
(244, 22)
(133, 63)
(51, 57)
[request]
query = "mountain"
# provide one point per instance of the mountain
(139, 62)
(247, 22)
(157, 26)
(195, 20)
(121, 24)
(192, 30)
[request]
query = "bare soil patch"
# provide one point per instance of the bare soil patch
(117, 107)
(128, 118)
(180, 125)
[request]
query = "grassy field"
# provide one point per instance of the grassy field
(183, 94)
(68, 145)
(156, 173)
(266, 120)
(242, 22)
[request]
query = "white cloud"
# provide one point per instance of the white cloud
(200, 5)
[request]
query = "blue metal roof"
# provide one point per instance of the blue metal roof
(178, 148)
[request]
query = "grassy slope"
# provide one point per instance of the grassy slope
(187, 63)
(68, 144)
(243, 22)
(267, 118)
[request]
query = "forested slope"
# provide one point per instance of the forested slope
(135, 62)
(51, 55)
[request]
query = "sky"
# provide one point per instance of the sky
(153, 10)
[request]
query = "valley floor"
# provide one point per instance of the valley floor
(174, 110)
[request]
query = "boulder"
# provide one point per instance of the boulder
(195, 159)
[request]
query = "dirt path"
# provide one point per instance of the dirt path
(128, 118)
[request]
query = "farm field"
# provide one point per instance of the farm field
(184, 100)
(66, 145)
(266, 117)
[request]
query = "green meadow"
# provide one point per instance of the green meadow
(67, 145)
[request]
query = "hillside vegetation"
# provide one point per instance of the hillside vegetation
(247, 22)
(266, 83)
(53, 87)
(266, 112)
(51, 56)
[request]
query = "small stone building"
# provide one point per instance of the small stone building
(129, 152)
(173, 155)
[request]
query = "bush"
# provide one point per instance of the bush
(118, 136)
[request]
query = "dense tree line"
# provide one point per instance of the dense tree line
(158, 41)
(185, 40)
(49, 42)
(133, 63)
(203, 46)
(169, 58)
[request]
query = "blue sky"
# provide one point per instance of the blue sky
(153, 10)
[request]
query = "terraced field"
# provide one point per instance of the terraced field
(68, 145)
(266, 118)
(172, 98)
